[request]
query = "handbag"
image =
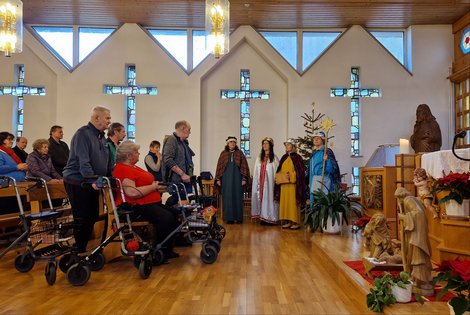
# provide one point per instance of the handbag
(281, 178)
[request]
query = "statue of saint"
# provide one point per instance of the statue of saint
(426, 135)
(421, 182)
(416, 251)
(377, 236)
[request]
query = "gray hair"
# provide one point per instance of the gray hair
(125, 149)
(37, 145)
(181, 123)
(99, 110)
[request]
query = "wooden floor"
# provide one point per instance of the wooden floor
(260, 270)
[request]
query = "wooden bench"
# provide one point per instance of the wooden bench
(10, 222)
(37, 197)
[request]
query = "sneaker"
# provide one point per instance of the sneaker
(295, 227)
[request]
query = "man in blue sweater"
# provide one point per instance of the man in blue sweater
(89, 157)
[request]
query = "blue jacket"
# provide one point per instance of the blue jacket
(8, 167)
(89, 156)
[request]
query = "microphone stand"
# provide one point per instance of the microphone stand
(459, 135)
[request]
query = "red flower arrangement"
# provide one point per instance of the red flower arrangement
(362, 222)
(458, 186)
(457, 275)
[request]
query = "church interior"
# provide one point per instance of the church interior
(366, 66)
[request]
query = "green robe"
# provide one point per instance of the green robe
(232, 193)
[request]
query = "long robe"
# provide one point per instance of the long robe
(232, 192)
(332, 175)
(416, 251)
(289, 209)
(263, 205)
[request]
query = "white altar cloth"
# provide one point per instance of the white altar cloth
(444, 161)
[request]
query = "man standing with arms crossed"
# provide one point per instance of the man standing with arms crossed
(89, 157)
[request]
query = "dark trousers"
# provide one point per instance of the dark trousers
(163, 219)
(85, 209)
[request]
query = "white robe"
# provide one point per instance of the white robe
(266, 209)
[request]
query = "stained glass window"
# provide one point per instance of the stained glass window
(355, 92)
(18, 92)
(244, 95)
(130, 91)
(355, 179)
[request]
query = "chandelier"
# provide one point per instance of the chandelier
(11, 26)
(217, 26)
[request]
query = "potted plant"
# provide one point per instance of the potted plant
(457, 188)
(456, 274)
(328, 206)
(388, 290)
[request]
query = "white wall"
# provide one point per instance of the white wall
(195, 97)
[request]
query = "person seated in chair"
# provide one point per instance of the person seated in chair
(142, 191)
(40, 163)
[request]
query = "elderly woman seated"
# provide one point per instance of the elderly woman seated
(141, 190)
(40, 163)
(10, 163)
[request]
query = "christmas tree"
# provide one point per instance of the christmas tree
(311, 124)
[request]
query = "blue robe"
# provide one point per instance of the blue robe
(332, 176)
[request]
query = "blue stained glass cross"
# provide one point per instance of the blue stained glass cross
(355, 92)
(131, 90)
(244, 95)
(18, 92)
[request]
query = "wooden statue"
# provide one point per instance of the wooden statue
(393, 256)
(377, 236)
(416, 251)
(426, 135)
(421, 182)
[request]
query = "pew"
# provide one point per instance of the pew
(10, 222)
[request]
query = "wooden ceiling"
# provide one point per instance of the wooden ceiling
(260, 14)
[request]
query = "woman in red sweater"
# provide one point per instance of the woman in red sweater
(141, 189)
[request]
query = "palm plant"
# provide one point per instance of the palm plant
(328, 204)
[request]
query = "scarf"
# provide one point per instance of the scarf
(11, 153)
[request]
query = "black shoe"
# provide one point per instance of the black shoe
(230, 222)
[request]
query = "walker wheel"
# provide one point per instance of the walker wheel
(97, 262)
(158, 257)
(137, 260)
(66, 261)
(213, 242)
(24, 262)
(220, 232)
(208, 254)
(78, 274)
(145, 267)
(51, 272)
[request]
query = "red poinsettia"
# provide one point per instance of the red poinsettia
(456, 274)
(361, 222)
(461, 269)
(458, 186)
